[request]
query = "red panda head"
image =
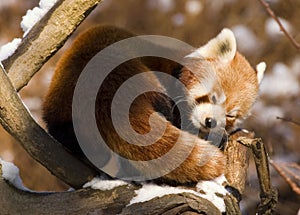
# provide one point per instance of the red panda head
(226, 84)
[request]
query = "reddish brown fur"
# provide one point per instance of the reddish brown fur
(58, 101)
(240, 85)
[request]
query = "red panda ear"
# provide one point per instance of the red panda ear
(222, 47)
(260, 70)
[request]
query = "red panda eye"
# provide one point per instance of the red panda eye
(202, 99)
(230, 116)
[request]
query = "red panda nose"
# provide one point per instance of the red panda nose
(210, 122)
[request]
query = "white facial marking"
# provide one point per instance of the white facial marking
(222, 99)
(199, 90)
(206, 110)
(205, 85)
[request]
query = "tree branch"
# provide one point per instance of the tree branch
(291, 177)
(268, 194)
(272, 14)
(45, 38)
(237, 161)
(89, 201)
(236, 170)
(17, 121)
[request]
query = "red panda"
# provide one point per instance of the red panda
(229, 96)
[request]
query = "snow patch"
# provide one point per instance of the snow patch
(151, 191)
(9, 48)
(34, 15)
(211, 188)
(100, 184)
(11, 173)
(28, 21)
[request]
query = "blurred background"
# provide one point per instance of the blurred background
(193, 21)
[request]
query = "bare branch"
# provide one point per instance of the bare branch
(45, 38)
(288, 175)
(17, 121)
(108, 202)
(237, 161)
(272, 14)
(236, 170)
(268, 194)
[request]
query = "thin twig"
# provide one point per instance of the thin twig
(272, 14)
(288, 170)
(282, 172)
(288, 120)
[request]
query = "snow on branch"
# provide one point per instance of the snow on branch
(110, 201)
(45, 38)
(11, 173)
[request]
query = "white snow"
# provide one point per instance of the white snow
(211, 188)
(150, 191)
(100, 184)
(34, 15)
(11, 173)
(280, 82)
(193, 7)
(9, 48)
(246, 39)
(28, 21)
(273, 29)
